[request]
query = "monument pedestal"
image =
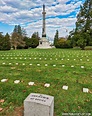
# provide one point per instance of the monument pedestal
(44, 43)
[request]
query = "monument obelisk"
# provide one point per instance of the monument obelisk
(43, 42)
(44, 27)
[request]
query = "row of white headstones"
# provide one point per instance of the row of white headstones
(45, 85)
(54, 65)
(44, 58)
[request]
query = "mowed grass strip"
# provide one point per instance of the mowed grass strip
(57, 67)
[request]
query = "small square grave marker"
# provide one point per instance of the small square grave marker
(72, 66)
(82, 66)
(4, 80)
(86, 90)
(46, 64)
(16, 63)
(17, 81)
(9, 63)
(63, 65)
(38, 64)
(47, 85)
(65, 87)
(3, 63)
(31, 83)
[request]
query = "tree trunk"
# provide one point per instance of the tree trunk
(15, 47)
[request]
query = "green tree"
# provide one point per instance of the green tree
(17, 40)
(34, 41)
(1, 40)
(56, 37)
(7, 44)
(27, 42)
(63, 43)
(83, 25)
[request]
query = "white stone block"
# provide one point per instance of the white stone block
(17, 81)
(31, 83)
(72, 66)
(85, 90)
(16, 63)
(38, 64)
(82, 66)
(47, 85)
(65, 87)
(63, 65)
(9, 63)
(23, 64)
(39, 105)
(4, 80)
(3, 63)
(46, 64)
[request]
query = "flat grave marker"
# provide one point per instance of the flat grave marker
(85, 90)
(47, 85)
(31, 83)
(65, 87)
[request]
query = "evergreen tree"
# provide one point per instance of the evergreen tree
(17, 40)
(19, 30)
(35, 35)
(24, 33)
(56, 37)
(7, 44)
(34, 41)
(1, 40)
(83, 25)
(15, 29)
(17, 37)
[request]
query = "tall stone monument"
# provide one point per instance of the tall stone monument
(43, 42)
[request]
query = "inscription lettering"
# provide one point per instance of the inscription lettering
(39, 98)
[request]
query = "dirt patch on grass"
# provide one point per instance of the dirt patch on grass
(19, 111)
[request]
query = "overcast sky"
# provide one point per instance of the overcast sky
(60, 15)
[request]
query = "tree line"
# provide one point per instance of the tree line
(18, 39)
(82, 34)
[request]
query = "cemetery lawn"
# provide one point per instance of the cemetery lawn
(58, 67)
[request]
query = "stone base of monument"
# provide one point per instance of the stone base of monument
(44, 43)
(39, 105)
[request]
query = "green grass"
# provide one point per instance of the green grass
(71, 101)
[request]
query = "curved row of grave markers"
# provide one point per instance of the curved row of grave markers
(64, 87)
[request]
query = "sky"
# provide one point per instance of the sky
(60, 15)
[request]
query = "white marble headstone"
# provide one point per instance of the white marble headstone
(65, 87)
(85, 90)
